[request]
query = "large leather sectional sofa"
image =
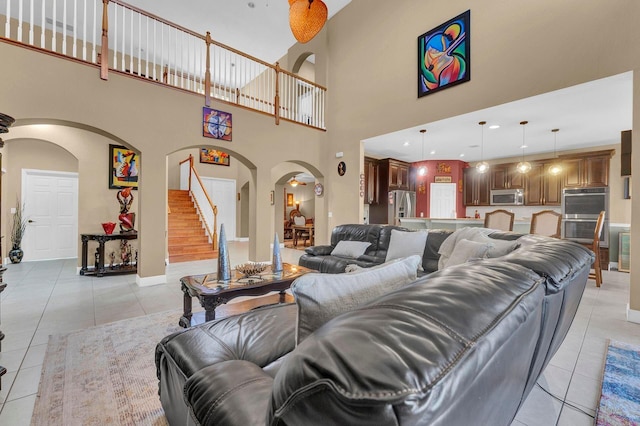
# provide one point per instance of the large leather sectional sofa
(460, 346)
(320, 258)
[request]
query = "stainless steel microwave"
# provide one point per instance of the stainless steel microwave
(507, 197)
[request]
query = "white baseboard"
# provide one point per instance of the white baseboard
(242, 239)
(633, 315)
(149, 281)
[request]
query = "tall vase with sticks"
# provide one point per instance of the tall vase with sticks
(18, 229)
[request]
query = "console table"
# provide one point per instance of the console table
(100, 270)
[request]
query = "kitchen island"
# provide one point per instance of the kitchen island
(520, 225)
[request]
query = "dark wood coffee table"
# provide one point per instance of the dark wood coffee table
(212, 293)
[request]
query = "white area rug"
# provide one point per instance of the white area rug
(104, 375)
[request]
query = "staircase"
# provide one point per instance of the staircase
(188, 240)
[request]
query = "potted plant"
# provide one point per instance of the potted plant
(18, 228)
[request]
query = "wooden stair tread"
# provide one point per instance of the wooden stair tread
(187, 238)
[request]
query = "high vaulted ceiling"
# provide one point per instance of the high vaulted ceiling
(261, 31)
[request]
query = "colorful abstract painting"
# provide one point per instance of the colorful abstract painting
(216, 124)
(443, 55)
(213, 156)
(124, 166)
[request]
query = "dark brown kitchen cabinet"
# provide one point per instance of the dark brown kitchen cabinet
(588, 169)
(370, 180)
(506, 176)
(541, 187)
(476, 187)
(392, 175)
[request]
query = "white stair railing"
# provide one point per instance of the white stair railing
(207, 211)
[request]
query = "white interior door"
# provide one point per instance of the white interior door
(223, 195)
(442, 202)
(51, 208)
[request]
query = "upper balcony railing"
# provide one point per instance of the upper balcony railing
(122, 38)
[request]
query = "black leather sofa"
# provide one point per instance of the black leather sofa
(320, 259)
(461, 346)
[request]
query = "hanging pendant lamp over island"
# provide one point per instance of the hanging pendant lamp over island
(482, 166)
(423, 169)
(523, 166)
(555, 168)
(306, 18)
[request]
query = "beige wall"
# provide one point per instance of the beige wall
(155, 121)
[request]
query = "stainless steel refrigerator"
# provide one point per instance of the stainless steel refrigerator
(401, 204)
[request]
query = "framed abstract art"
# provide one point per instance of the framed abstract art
(444, 55)
(124, 167)
(214, 156)
(216, 124)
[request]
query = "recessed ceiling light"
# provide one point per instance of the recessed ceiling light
(494, 126)
(462, 155)
(405, 144)
(523, 146)
(433, 152)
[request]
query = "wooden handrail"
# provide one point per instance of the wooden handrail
(157, 18)
(297, 77)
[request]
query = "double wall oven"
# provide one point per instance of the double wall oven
(580, 210)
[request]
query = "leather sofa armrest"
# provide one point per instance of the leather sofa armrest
(260, 336)
(319, 250)
(230, 392)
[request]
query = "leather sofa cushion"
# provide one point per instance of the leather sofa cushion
(321, 297)
(434, 241)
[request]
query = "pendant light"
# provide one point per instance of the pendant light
(423, 169)
(306, 18)
(523, 166)
(555, 167)
(482, 166)
(293, 182)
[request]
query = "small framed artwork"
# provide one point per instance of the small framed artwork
(444, 55)
(289, 199)
(342, 168)
(216, 124)
(214, 156)
(124, 167)
(442, 179)
(272, 197)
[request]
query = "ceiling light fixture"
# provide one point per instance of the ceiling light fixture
(293, 182)
(523, 166)
(482, 166)
(423, 169)
(306, 18)
(494, 126)
(555, 167)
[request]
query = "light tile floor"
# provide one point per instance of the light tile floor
(44, 298)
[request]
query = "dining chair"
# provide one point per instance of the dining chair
(499, 219)
(595, 247)
(546, 222)
(300, 233)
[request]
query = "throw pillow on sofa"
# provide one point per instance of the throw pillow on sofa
(449, 245)
(353, 249)
(406, 243)
(466, 250)
(320, 297)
